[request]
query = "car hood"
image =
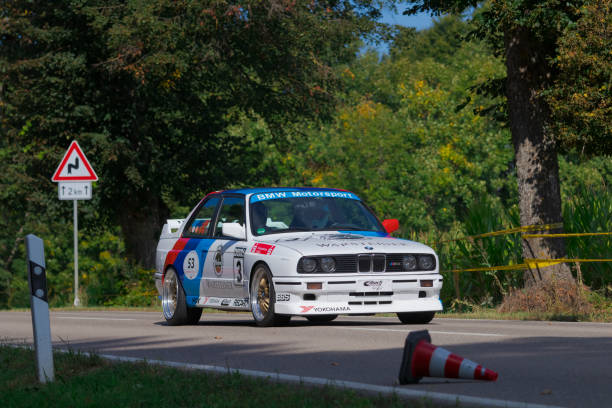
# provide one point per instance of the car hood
(329, 242)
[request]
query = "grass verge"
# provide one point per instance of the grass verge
(90, 381)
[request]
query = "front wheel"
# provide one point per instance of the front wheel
(263, 299)
(321, 318)
(416, 317)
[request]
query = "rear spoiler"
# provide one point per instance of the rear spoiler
(171, 228)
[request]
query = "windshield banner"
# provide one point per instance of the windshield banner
(298, 194)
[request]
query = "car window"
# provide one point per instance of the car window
(200, 223)
(286, 214)
(232, 210)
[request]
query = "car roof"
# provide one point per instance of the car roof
(276, 189)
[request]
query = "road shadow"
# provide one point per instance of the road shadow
(566, 371)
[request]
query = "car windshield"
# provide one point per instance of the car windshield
(292, 211)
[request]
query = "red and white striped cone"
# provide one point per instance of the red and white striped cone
(423, 359)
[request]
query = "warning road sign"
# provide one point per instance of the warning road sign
(74, 166)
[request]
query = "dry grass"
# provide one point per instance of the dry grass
(558, 297)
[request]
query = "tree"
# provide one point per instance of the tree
(148, 88)
(526, 33)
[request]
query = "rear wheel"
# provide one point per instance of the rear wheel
(321, 318)
(193, 315)
(416, 317)
(263, 299)
(174, 305)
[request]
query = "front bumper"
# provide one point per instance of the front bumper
(367, 293)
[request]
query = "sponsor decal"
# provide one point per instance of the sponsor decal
(341, 236)
(218, 284)
(209, 301)
(218, 261)
(226, 302)
(283, 297)
(388, 243)
(191, 265)
(334, 309)
(240, 302)
(293, 194)
(262, 249)
(376, 285)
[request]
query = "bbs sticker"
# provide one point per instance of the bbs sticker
(283, 297)
(191, 265)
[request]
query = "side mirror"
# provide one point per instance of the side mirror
(391, 225)
(233, 229)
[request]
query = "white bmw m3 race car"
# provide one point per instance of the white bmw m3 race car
(282, 252)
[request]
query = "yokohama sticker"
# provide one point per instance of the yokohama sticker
(334, 309)
(262, 249)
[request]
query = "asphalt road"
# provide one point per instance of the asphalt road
(556, 363)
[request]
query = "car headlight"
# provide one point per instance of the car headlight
(328, 264)
(309, 265)
(409, 263)
(426, 262)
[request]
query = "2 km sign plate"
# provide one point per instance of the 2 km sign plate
(74, 190)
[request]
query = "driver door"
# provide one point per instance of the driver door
(225, 277)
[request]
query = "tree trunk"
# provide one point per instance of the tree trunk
(537, 168)
(141, 223)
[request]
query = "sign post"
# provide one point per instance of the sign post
(74, 176)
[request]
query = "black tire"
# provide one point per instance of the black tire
(174, 306)
(321, 318)
(193, 315)
(416, 317)
(263, 299)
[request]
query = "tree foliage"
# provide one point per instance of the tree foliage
(580, 98)
(401, 143)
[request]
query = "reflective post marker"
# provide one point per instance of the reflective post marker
(77, 301)
(40, 308)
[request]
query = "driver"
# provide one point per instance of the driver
(311, 216)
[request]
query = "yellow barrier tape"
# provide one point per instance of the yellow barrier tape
(529, 264)
(515, 230)
(491, 268)
(534, 263)
(560, 260)
(570, 234)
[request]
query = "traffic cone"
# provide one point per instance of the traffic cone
(423, 359)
